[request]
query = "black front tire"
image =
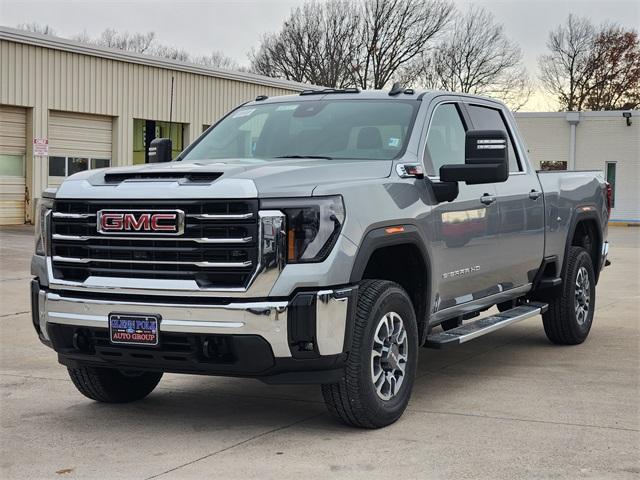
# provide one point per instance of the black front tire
(354, 400)
(109, 385)
(564, 323)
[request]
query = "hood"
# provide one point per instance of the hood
(242, 178)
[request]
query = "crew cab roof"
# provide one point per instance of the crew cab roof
(406, 94)
(309, 95)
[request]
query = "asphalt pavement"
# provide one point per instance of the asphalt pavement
(508, 405)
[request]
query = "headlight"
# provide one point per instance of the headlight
(43, 215)
(313, 226)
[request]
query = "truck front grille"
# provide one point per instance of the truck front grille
(218, 249)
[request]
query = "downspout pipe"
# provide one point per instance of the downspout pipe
(573, 118)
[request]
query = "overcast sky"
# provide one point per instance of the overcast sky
(235, 26)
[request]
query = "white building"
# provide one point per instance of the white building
(605, 141)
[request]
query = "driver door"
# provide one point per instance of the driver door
(465, 231)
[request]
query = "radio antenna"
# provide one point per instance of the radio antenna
(171, 110)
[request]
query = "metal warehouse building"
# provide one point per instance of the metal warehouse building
(67, 106)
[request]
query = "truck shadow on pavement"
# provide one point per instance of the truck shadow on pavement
(216, 404)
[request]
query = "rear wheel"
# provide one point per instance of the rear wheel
(570, 315)
(380, 371)
(113, 386)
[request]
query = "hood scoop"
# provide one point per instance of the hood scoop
(193, 178)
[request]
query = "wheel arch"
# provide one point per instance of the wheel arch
(585, 231)
(400, 257)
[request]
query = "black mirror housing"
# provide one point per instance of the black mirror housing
(486, 159)
(160, 150)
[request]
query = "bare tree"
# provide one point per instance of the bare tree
(143, 43)
(171, 53)
(36, 27)
(130, 42)
(615, 83)
(395, 32)
(217, 60)
(344, 43)
(316, 44)
(565, 71)
(592, 68)
(476, 57)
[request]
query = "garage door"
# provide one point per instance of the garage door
(77, 142)
(13, 130)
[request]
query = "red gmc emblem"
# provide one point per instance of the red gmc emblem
(157, 222)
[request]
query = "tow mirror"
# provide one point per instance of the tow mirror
(160, 150)
(486, 159)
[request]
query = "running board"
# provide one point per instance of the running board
(484, 325)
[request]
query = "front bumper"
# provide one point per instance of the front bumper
(285, 339)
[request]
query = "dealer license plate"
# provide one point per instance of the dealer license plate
(134, 329)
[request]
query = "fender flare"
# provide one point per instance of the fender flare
(580, 214)
(378, 238)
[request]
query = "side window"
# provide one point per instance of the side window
(445, 139)
(485, 118)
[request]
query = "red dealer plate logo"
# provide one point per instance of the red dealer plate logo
(140, 222)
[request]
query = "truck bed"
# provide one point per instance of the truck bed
(564, 193)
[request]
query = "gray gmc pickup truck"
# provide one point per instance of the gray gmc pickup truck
(317, 238)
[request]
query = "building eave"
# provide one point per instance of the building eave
(57, 43)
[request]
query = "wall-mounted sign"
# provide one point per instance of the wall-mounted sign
(41, 147)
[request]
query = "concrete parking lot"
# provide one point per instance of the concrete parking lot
(509, 405)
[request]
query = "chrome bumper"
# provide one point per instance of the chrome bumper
(268, 319)
(605, 253)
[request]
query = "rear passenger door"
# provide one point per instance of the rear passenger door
(520, 203)
(464, 232)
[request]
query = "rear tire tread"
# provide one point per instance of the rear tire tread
(559, 319)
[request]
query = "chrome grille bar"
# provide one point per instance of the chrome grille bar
(245, 264)
(73, 215)
(212, 216)
(84, 238)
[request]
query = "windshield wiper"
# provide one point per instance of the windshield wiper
(322, 157)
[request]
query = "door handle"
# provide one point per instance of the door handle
(487, 199)
(534, 194)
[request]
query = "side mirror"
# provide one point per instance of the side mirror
(160, 150)
(486, 159)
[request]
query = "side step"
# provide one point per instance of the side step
(484, 325)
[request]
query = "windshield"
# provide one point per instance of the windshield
(338, 129)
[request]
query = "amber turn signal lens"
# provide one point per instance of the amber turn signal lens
(391, 230)
(291, 249)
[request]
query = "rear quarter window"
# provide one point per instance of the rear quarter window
(487, 118)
